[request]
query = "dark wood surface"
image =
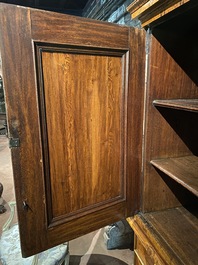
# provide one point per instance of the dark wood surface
(184, 170)
(170, 134)
(79, 160)
(164, 232)
(177, 227)
(171, 234)
(62, 29)
(180, 104)
(135, 110)
(148, 12)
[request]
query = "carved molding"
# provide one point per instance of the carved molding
(148, 11)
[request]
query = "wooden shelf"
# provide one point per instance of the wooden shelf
(173, 234)
(182, 104)
(184, 170)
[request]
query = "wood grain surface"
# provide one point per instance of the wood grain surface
(184, 170)
(170, 133)
(84, 116)
(74, 109)
(168, 237)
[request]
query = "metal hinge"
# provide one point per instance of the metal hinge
(14, 142)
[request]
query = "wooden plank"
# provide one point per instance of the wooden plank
(161, 11)
(172, 233)
(75, 31)
(135, 5)
(179, 229)
(154, 9)
(184, 170)
(143, 8)
(182, 104)
(22, 115)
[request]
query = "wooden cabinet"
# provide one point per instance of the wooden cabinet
(165, 237)
(166, 229)
(104, 120)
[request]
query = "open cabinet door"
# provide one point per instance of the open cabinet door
(74, 91)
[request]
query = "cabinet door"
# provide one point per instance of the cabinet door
(74, 92)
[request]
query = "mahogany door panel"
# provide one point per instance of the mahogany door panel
(74, 93)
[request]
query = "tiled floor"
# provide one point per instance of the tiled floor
(89, 249)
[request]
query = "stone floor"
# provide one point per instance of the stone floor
(89, 249)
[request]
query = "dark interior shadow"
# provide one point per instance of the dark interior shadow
(178, 31)
(184, 196)
(185, 124)
(97, 259)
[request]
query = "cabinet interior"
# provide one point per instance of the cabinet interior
(170, 159)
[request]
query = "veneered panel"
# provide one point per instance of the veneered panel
(83, 98)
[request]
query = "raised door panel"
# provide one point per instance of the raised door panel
(74, 91)
(82, 99)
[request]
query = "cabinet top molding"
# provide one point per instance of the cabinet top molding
(148, 11)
